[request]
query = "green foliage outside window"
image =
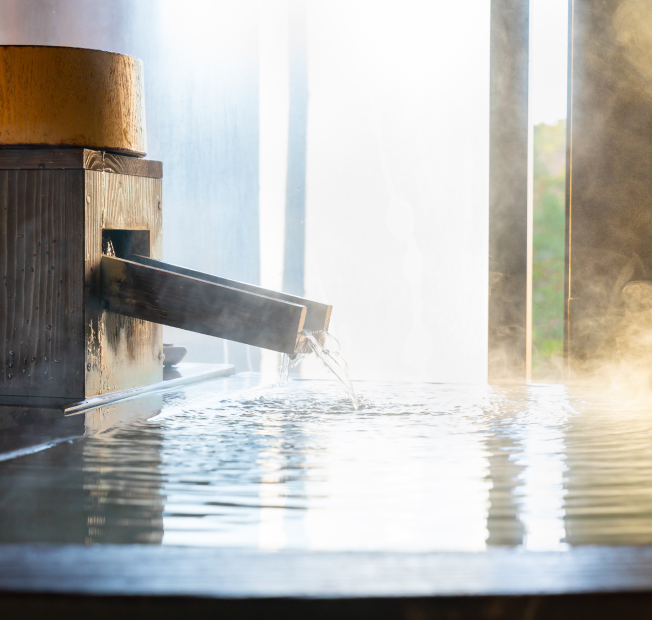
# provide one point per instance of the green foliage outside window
(548, 256)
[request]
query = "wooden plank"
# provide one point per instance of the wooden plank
(78, 159)
(122, 352)
(509, 312)
(147, 570)
(41, 159)
(318, 315)
(176, 300)
(41, 300)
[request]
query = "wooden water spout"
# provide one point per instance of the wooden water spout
(155, 291)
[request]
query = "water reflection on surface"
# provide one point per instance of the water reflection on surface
(420, 467)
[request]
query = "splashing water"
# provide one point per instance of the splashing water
(284, 369)
(287, 362)
(327, 349)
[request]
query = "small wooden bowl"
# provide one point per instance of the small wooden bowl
(173, 355)
(66, 96)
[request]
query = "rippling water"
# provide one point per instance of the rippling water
(419, 467)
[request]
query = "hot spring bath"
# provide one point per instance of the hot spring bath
(239, 463)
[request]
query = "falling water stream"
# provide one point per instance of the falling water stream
(327, 349)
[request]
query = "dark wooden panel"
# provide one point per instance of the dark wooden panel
(508, 193)
(78, 159)
(121, 351)
(172, 299)
(318, 315)
(609, 174)
(41, 300)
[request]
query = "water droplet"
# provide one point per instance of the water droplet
(31, 269)
(10, 376)
(49, 327)
(45, 358)
(10, 365)
(33, 359)
(11, 352)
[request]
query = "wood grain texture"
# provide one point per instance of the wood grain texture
(121, 351)
(318, 315)
(197, 305)
(78, 159)
(72, 97)
(41, 298)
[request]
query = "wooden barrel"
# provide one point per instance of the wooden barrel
(65, 96)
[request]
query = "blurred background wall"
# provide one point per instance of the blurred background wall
(339, 149)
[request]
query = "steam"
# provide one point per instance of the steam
(611, 332)
(633, 25)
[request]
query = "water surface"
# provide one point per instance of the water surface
(420, 467)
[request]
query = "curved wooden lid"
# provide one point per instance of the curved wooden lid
(65, 96)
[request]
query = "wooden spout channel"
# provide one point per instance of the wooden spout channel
(154, 291)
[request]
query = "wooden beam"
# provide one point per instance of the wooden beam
(509, 215)
(318, 315)
(609, 178)
(78, 159)
(169, 298)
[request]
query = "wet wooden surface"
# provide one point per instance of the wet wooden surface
(48, 421)
(72, 97)
(151, 294)
(582, 583)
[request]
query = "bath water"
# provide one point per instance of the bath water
(328, 350)
(237, 462)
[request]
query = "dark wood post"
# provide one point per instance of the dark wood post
(609, 170)
(509, 217)
(58, 343)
